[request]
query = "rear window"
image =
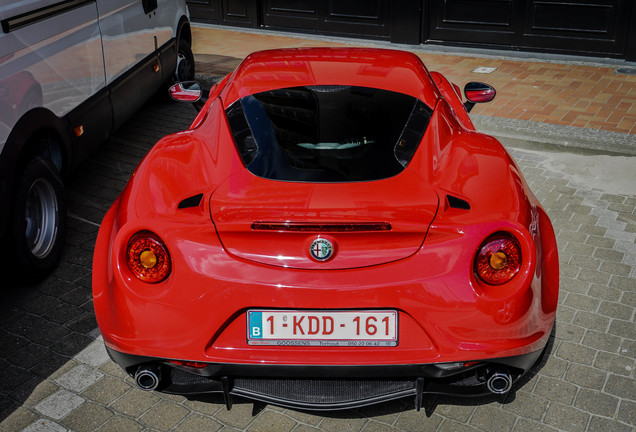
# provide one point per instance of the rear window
(327, 133)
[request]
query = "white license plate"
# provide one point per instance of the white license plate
(322, 328)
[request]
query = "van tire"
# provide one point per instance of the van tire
(185, 62)
(38, 220)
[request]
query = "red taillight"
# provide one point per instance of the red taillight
(148, 257)
(498, 259)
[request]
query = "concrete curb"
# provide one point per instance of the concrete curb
(548, 136)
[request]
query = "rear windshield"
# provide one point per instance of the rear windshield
(327, 133)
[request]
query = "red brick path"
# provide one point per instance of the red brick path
(565, 94)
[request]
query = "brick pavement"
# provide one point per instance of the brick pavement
(580, 95)
(55, 374)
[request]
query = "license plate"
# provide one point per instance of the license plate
(322, 328)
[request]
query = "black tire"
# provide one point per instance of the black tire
(38, 221)
(185, 62)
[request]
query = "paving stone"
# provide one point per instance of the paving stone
(594, 276)
(524, 425)
(111, 368)
(106, 390)
(135, 402)
(270, 421)
(621, 386)
(412, 420)
(576, 353)
(628, 348)
(374, 426)
(305, 417)
(609, 255)
(205, 404)
(629, 299)
(624, 329)
(338, 422)
(123, 424)
(453, 426)
(33, 392)
(79, 378)
(605, 424)
(572, 285)
(602, 341)
(164, 416)
(601, 242)
(87, 417)
(555, 389)
(586, 262)
(569, 332)
(586, 376)
(19, 419)
(616, 268)
(493, 419)
(596, 402)
(615, 363)
(71, 344)
(589, 320)
(555, 367)
(305, 428)
(59, 404)
(93, 355)
(565, 314)
(198, 423)
(627, 412)
(240, 416)
(460, 411)
(616, 310)
(44, 426)
(386, 413)
(566, 418)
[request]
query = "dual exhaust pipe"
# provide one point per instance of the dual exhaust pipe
(499, 382)
(148, 377)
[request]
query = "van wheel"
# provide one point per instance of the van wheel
(39, 220)
(185, 62)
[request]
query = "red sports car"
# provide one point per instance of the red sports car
(330, 232)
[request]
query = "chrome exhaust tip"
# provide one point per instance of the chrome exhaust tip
(148, 377)
(499, 382)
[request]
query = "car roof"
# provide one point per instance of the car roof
(392, 70)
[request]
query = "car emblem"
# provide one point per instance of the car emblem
(321, 249)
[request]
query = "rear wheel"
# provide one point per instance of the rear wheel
(39, 220)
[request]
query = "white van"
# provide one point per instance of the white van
(72, 72)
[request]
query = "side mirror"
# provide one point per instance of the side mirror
(477, 92)
(187, 91)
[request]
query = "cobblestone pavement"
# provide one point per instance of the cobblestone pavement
(55, 374)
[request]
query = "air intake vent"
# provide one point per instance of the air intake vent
(193, 201)
(457, 203)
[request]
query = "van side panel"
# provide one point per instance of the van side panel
(62, 56)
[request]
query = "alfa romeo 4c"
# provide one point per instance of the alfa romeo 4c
(330, 232)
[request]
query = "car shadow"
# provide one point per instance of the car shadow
(429, 405)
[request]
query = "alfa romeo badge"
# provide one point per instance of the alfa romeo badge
(321, 249)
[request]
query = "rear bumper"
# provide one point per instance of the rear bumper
(316, 387)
